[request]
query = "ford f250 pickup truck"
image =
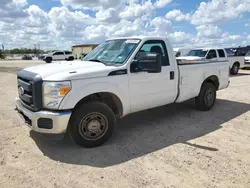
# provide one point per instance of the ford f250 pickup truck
(119, 77)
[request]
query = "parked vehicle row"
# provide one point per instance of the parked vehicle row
(235, 56)
(119, 77)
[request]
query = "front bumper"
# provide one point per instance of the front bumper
(44, 121)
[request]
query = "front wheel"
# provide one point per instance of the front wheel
(48, 60)
(70, 58)
(92, 124)
(207, 96)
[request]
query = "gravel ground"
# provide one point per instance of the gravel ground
(171, 146)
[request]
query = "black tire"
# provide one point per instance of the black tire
(48, 60)
(103, 124)
(70, 59)
(206, 98)
(235, 69)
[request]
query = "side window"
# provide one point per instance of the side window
(58, 53)
(156, 46)
(221, 53)
(211, 54)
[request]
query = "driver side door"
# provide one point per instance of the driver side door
(149, 90)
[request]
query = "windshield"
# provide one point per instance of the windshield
(248, 54)
(112, 51)
(198, 53)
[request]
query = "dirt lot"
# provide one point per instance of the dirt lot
(171, 146)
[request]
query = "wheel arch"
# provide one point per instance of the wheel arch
(109, 98)
(236, 62)
(213, 79)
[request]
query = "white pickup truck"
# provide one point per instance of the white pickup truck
(119, 77)
(214, 55)
(58, 56)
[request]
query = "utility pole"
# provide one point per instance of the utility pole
(39, 51)
(35, 48)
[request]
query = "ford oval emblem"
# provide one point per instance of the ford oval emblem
(21, 90)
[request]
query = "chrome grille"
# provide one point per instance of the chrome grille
(30, 89)
(25, 91)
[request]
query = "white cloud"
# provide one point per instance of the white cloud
(123, 28)
(135, 10)
(109, 15)
(219, 10)
(91, 4)
(180, 38)
(234, 37)
(12, 9)
(62, 19)
(160, 26)
(14, 4)
(37, 17)
(209, 31)
(248, 37)
(162, 3)
(177, 15)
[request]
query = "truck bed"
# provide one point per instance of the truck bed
(193, 74)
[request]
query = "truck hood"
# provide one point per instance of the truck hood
(190, 58)
(70, 70)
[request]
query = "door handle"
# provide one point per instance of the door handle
(171, 75)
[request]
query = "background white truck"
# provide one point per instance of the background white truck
(58, 56)
(236, 57)
(247, 60)
(204, 55)
(119, 77)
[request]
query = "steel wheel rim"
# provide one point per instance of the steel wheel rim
(93, 126)
(235, 68)
(209, 97)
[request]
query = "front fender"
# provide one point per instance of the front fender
(80, 91)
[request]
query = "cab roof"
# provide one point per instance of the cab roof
(140, 38)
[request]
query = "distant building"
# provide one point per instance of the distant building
(79, 51)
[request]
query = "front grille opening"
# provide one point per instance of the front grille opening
(23, 79)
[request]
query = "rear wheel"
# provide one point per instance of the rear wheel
(92, 124)
(48, 60)
(207, 96)
(235, 68)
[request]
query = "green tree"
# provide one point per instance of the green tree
(2, 56)
(24, 51)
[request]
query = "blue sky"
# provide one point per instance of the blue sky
(59, 24)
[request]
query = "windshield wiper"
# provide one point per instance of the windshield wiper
(96, 60)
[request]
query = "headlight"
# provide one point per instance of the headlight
(54, 92)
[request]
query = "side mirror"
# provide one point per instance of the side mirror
(148, 62)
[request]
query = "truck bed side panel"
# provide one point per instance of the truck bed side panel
(234, 59)
(192, 76)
